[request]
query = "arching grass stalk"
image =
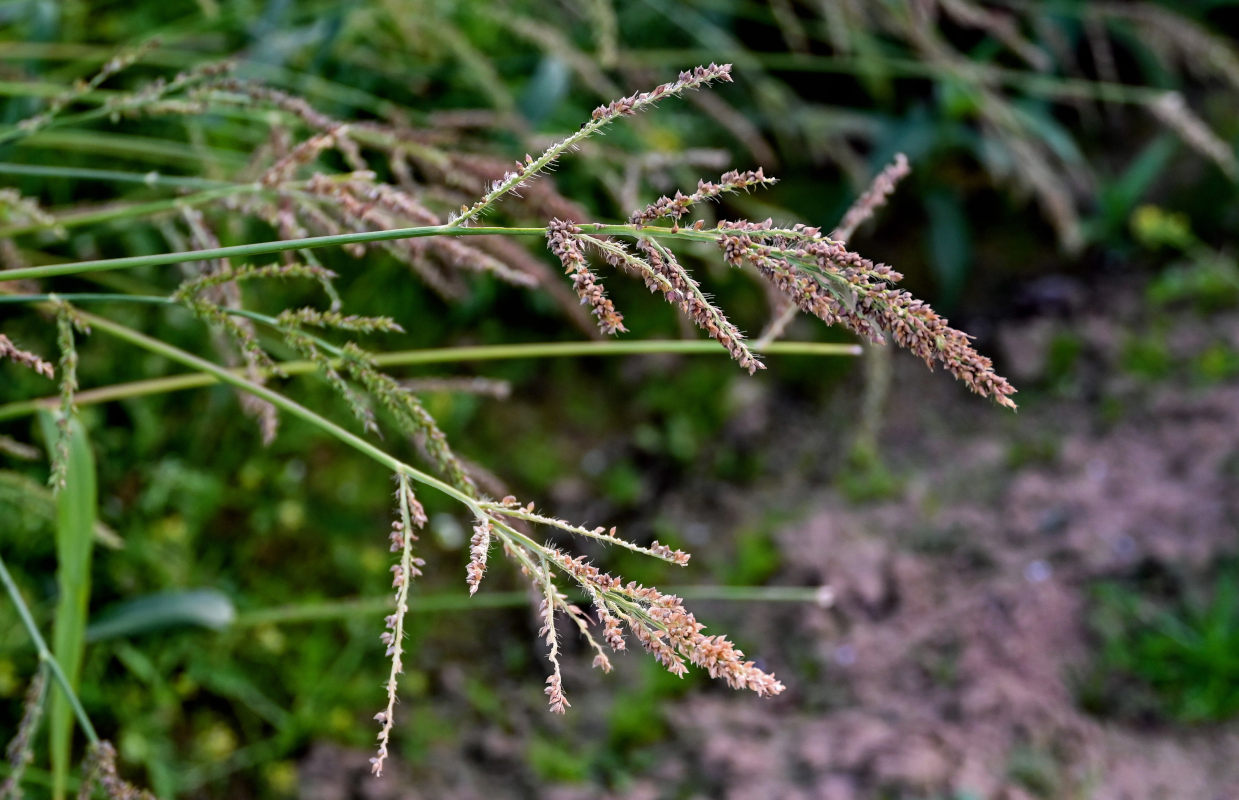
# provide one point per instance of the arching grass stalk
(148, 149)
(286, 404)
(440, 603)
(45, 654)
(168, 55)
(155, 300)
(361, 237)
(256, 249)
(440, 355)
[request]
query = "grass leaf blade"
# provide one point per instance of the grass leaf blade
(75, 525)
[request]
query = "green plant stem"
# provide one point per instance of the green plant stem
(157, 300)
(310, 242)
(441, 355)
(278, 400)
(45, 654)
(349, 609)
(259, 248)
(438, 603)
(152, 178)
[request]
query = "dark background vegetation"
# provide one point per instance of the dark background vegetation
(655, 445)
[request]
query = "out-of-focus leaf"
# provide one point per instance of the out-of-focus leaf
(950, 245)
(546, 90)
(206, 608)
(19, 492)
(1042, 125)
(1117, 199)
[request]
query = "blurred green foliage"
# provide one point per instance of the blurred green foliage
(1166, 649)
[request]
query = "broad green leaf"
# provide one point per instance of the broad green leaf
(75, 536)
(206, 608)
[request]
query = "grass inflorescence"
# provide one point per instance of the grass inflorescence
(287, 186)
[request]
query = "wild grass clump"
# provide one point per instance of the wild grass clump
(418, 218)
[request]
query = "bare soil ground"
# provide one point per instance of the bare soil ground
(947, 665)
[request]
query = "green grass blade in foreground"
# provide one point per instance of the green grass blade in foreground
(332, 240)
(75, 528)
(256, 248)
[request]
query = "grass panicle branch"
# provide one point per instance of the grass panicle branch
(228, 274)
(561, 238)
(12, 352)
(556, 699)
(676, 207)
(410, 515)
(602, 116)
(479, 553)
(511, 508)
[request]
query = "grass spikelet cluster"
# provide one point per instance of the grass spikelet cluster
(410, 515)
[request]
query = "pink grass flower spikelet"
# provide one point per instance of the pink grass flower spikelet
(665, 628)
(687, 295)
(601, 117)
(479, 551)
(560, 238)
(841, 287)
(681, 204)
(689, 79)
(100, 773)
